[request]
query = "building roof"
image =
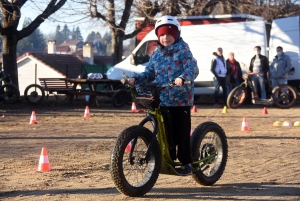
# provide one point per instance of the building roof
(62, 49)
(68, 65)
(70, 42)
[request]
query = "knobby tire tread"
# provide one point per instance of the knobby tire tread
(116, 157)
(197, 137)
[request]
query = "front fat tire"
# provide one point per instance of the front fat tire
(39, 93)
(152, 168)
(233, 99)
(200, 135)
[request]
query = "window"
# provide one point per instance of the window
(145, 52)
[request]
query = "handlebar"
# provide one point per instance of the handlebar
(172, 83)
(125, 81)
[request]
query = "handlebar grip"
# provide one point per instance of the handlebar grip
(184, 83)
(124, 81)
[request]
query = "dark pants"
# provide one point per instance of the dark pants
(235, 84)
(178, 127)
(221, 82)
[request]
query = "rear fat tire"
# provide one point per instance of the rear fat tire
(39, 97)
(198, 136)
(233, 99)
(12, 93)
(292, 97)
(152, 168)
(119, 98)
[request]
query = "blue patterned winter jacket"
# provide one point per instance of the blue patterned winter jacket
(167, 64)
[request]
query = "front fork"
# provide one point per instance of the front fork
(142, 123)
(158, 123)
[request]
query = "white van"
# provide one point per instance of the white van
(237, 37)
(285, 33)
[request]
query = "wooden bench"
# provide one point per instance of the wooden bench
(57, 85)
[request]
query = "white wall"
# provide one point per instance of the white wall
(26, 73)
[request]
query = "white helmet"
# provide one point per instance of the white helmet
(167, 20)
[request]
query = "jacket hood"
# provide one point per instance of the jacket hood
(215, 54)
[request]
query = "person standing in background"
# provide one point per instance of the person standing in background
(259, 69)
(218, 68)
(234, 73)
(279, 68)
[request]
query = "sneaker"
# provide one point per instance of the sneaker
(217, 105)
(184, 170)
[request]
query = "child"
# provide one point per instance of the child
(173, 60)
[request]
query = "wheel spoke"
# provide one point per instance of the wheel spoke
(135, 173)
(284, 96)
(211, 145)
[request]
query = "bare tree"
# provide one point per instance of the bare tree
(11, 14)
(271, 9)
(116, 14)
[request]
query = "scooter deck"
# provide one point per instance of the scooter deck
(262, 101)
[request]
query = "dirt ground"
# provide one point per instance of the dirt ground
(263, 164)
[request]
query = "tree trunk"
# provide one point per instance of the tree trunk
(9, 49)
(117, 37)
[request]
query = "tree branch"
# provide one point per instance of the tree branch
(136, 31)
(149, 12)
(126, 14)
(19, 3)
(93, 9)
(209, 7)
(49, 10)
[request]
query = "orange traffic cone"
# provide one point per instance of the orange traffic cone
(194, 109)
(44, 165)
(128, 147)
(265, 111)
(245, 125)
(133, 107)
(87, 112)
(32, 118)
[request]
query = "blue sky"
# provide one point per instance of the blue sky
(65, 16)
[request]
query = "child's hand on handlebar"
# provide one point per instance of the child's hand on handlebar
(131, 81)
(178, 81)
(128, 81)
